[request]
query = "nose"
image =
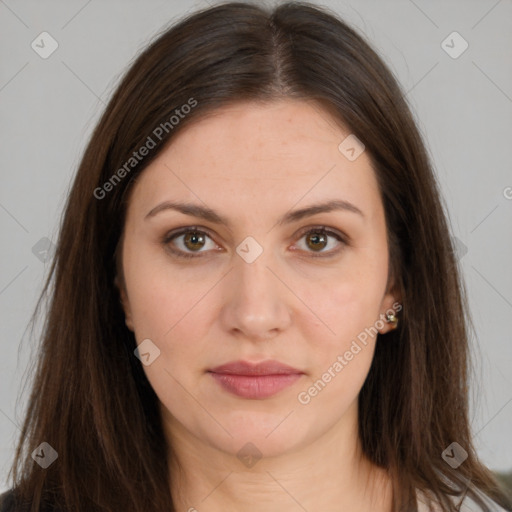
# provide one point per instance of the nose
(257, 305)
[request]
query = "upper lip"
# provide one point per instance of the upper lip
(264, 368)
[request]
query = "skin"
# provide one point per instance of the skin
(252, 163)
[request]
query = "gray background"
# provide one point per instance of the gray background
(48, 108)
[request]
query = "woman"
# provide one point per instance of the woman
(253, 290)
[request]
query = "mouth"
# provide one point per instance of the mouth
(255, 381)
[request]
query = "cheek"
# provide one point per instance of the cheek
(174, 307)
(169, 309)
(339, 361)
(162, 297)
(344, 304)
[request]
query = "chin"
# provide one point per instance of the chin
(266, 434)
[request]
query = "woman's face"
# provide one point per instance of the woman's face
(253, 282)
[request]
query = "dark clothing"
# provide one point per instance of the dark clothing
(7, 502)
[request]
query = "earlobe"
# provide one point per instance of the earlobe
(392, 320)
(389, 317)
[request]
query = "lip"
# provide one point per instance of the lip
(255, 381)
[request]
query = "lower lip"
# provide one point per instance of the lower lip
(255, 386)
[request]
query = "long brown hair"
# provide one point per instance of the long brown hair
(91, 400)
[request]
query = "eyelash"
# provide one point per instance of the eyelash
(317, 230)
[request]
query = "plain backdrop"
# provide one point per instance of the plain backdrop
(462, 101)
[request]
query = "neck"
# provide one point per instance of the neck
(331, 474)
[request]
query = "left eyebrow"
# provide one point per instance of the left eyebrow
(329, 206)
(208, 214)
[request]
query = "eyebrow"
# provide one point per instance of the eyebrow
(208, 214)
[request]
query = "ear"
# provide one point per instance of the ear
(391, 305)
(119, 284)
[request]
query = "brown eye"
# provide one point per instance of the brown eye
(194, 240)
(185, 242)
(317, 239)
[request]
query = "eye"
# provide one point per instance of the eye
(187, 241)
(317, 239)
(192, 239)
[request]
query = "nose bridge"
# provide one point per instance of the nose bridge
(254, 279)
(256, 303)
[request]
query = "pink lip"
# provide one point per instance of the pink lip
(255, 381)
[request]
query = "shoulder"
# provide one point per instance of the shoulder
(467, 505)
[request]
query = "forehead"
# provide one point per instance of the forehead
(257, 156)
